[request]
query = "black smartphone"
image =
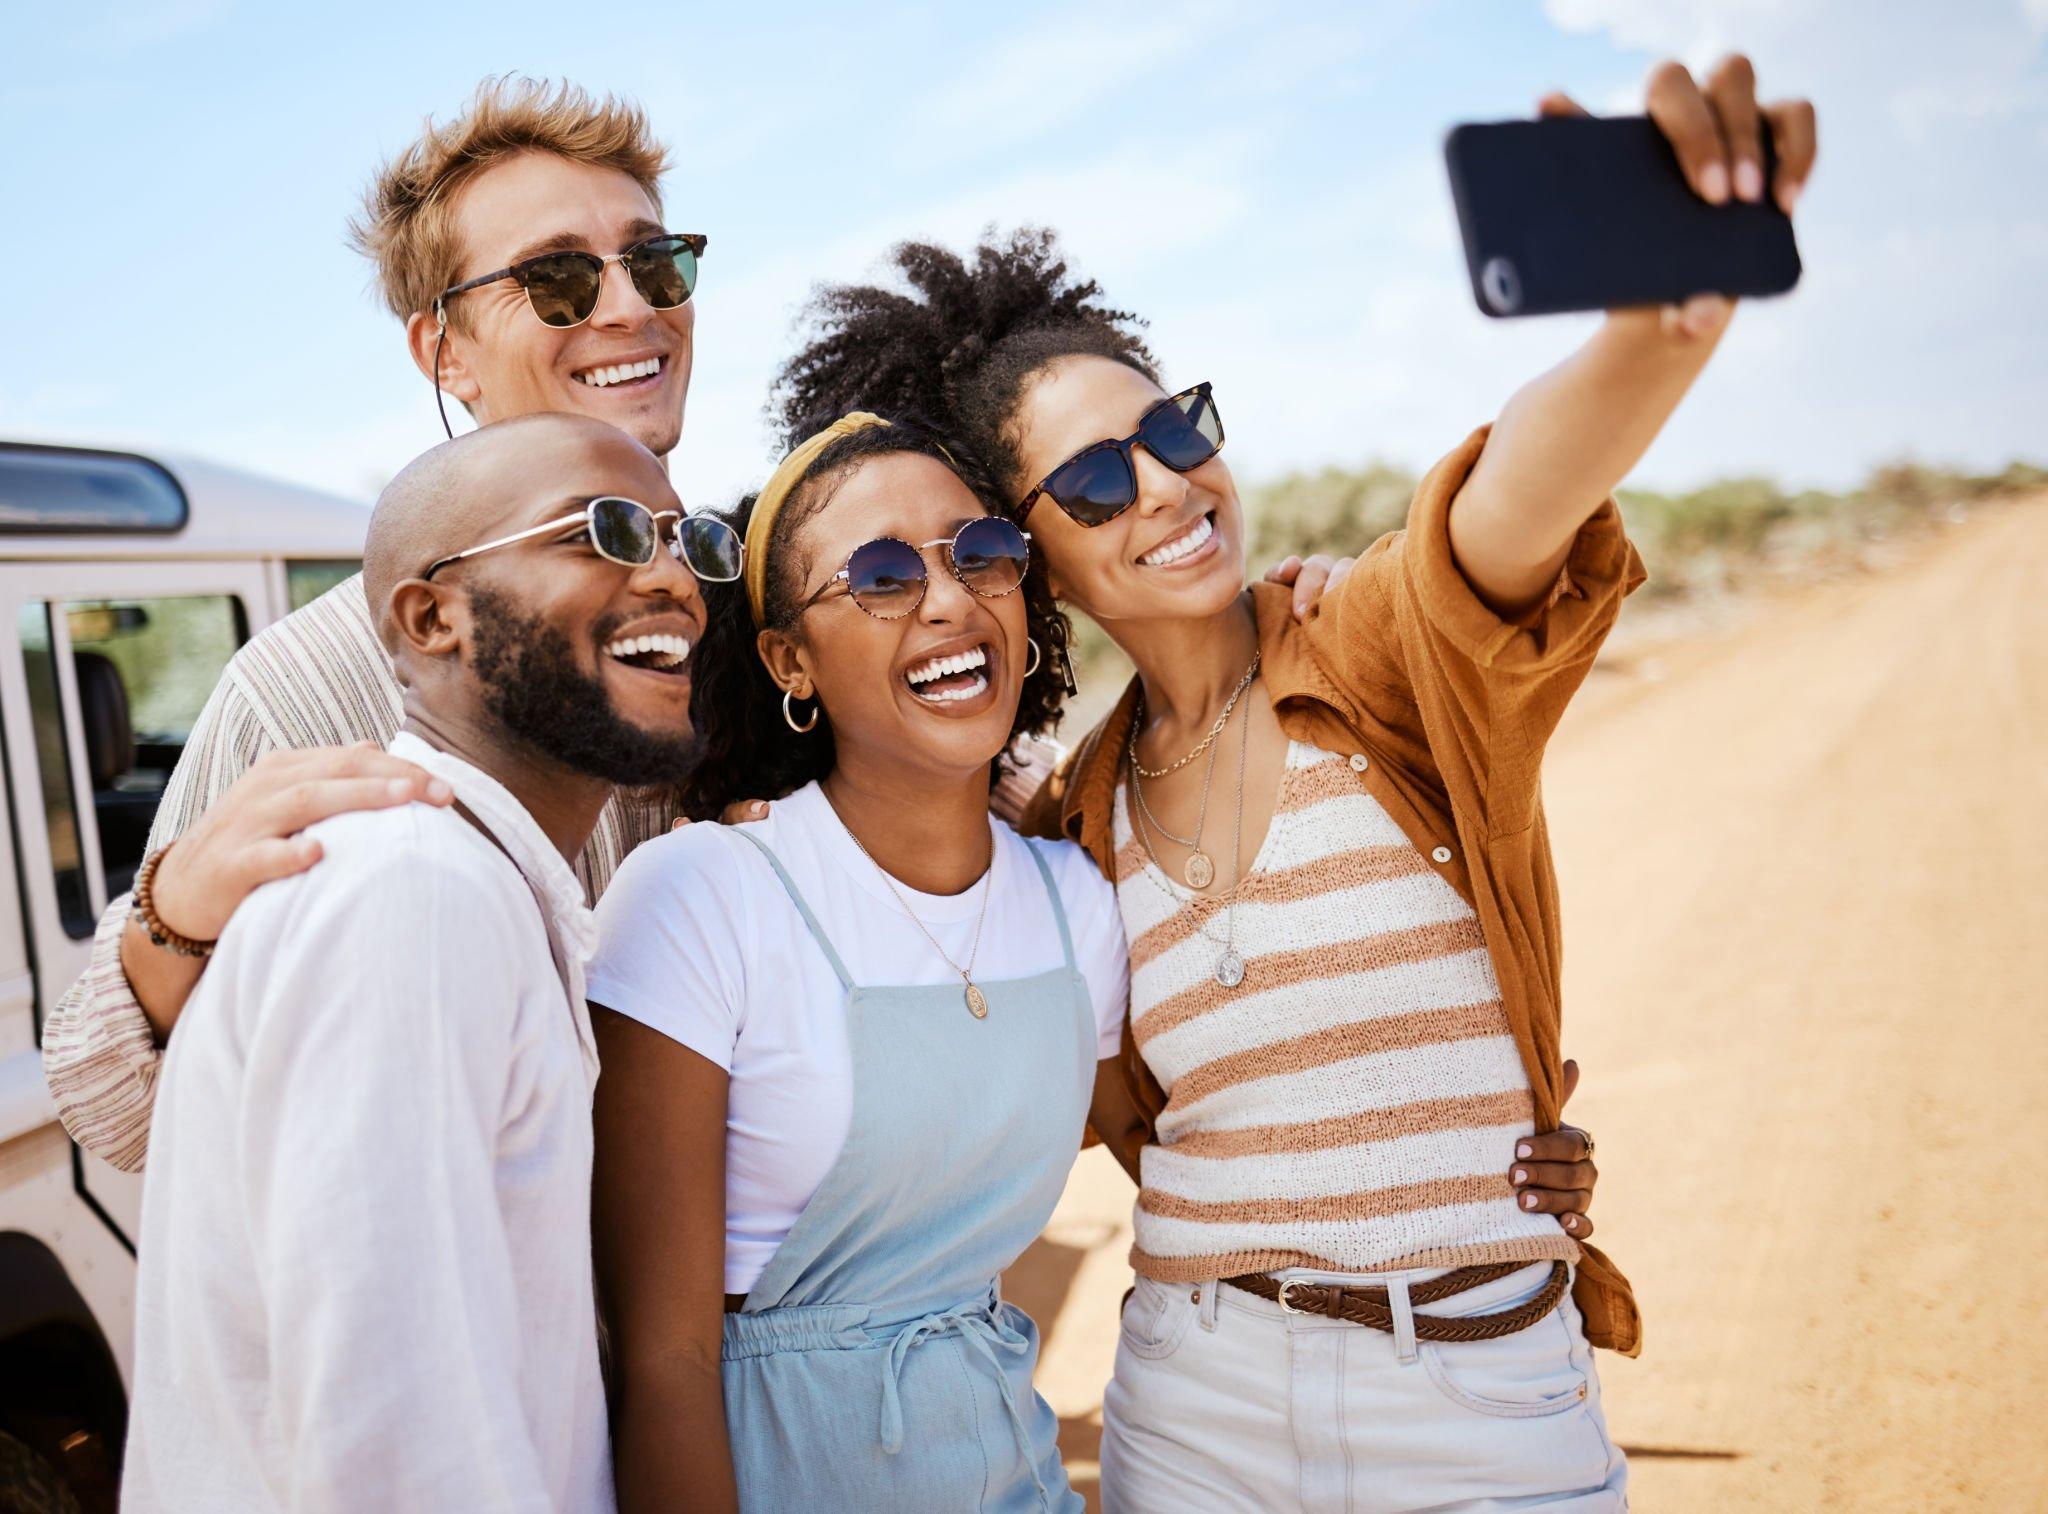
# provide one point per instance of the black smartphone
(1589, 213)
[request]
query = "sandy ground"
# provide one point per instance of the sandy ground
(1805, 867)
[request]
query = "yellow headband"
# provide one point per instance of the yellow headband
(775, 493)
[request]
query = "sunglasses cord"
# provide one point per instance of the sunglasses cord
(440, 400)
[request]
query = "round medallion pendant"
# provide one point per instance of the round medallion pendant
(1230, 969)
(1198, 870)
(977, 1003)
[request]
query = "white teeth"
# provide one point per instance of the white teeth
(965, 691)
(941, 667)
(1181, 545)
(668, 650)
(619, 373)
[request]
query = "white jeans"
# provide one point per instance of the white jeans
(1224, 1401)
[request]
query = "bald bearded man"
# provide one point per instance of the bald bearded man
(365, 1270)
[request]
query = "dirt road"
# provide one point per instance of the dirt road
(1805, 869)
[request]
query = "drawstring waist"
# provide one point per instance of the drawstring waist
(980, 1325)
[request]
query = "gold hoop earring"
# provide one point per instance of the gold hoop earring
(1032, 666)
(789, 715)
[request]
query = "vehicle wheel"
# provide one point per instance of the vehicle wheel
(30, 1485)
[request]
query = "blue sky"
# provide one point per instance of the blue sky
(1264, 182)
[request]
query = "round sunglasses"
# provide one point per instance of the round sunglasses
(887, 577)
(1100, 482)
(628, 533)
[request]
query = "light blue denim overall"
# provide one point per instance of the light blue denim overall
(875, 1365)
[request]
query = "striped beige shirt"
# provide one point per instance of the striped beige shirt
(319, 677)
(1354, 1103)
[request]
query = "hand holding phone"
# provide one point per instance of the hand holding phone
(1574, 213)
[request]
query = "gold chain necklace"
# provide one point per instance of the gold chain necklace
(977, 1001)
(1229, 969)
(1199, 868)
(1138, 719)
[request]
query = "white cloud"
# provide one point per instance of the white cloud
(1695, 31)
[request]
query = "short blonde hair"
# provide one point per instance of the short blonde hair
(407, 223)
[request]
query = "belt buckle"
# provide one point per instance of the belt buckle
(1286, 1307)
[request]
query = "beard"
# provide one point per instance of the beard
(534, 688)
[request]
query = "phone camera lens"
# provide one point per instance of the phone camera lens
(1501, 285)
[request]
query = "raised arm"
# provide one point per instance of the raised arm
(1567, 438)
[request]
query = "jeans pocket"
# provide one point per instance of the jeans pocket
(1527, 1375)
(1156, 1317)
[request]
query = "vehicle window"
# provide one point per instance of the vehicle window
(60, 810)
(307, 581)
(144, 669)
(67, 489)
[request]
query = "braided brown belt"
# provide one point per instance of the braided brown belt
(1371, 1307)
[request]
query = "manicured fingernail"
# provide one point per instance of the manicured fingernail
(1788, 195)
(439, 792)
(1749, 181)
(1714, 183)
(1704, 312)
(1528, 1201)
(1571, 1222)
(1521, 1176)
(1525, 1151)
(760, 808)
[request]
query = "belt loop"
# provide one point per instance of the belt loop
(1405, 1351)
(1210, 1295)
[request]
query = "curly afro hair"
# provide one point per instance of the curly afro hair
(745, 749)
(960, 347)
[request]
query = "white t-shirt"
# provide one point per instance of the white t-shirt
(698, 939)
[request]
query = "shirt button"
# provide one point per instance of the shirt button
(1360, 762)
(1441, 854)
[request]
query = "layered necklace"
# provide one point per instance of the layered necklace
(977, 1001)
(1200, 868)
(1229, 969)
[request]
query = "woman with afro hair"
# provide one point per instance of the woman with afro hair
(1341, 1060)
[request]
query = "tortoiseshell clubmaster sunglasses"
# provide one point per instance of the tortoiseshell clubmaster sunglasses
(563, 288)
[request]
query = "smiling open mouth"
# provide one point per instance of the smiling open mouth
(605, 377)
(945, 680)
(651, 654)
(1187, 543)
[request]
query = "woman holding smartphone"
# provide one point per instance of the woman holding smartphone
(1329, 849)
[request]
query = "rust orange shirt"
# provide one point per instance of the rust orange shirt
(1445, 709)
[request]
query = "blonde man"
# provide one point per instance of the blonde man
(478, 231)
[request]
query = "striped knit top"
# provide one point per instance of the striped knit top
(1353, 1104)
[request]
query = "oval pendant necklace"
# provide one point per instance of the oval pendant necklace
(1230, 967)
(977, 1001)
(1199, 868)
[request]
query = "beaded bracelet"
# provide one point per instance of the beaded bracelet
(144, 913)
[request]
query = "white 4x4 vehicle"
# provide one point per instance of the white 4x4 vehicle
(126, 583)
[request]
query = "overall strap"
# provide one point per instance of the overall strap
(810, 920)
(1059, 910)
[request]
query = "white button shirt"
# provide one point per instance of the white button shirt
(365, 1276)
